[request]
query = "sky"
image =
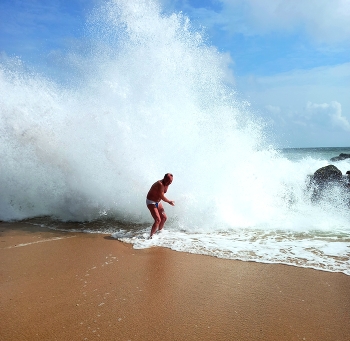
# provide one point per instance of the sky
(289, 58)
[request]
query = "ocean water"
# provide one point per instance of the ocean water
(298, 154)
(144, 94)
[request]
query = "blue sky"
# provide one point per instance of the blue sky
(289, 58)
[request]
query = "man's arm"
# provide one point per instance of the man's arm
(163, 197)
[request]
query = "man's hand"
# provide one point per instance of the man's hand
(172, 203)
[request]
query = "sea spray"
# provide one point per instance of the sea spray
(147, 95)
(156, 101)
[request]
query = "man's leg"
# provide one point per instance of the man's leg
(162, 215)
(155, 215)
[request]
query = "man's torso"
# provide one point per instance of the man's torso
(155, 191)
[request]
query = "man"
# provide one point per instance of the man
(154, 196)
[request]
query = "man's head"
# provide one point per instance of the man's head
(168, 179)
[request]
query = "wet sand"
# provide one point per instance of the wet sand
(74, 286)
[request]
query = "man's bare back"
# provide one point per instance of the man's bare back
(153, 201)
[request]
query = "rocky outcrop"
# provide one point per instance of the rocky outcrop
(327, 174)
(342, 156)
(324, 179)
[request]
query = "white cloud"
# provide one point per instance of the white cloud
(308, 107)
(317, 85)
(341, 121)
(273, 109)
(324, 21)
(332, 111)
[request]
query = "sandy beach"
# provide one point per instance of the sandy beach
(74, 286)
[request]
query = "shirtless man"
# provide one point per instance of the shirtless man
(154, 196)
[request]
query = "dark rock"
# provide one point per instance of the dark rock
(342, 156)
(328, 173)
(323, 179)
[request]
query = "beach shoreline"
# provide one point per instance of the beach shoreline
(77, 286)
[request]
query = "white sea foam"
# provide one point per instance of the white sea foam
(309, 250)
(149, 96)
